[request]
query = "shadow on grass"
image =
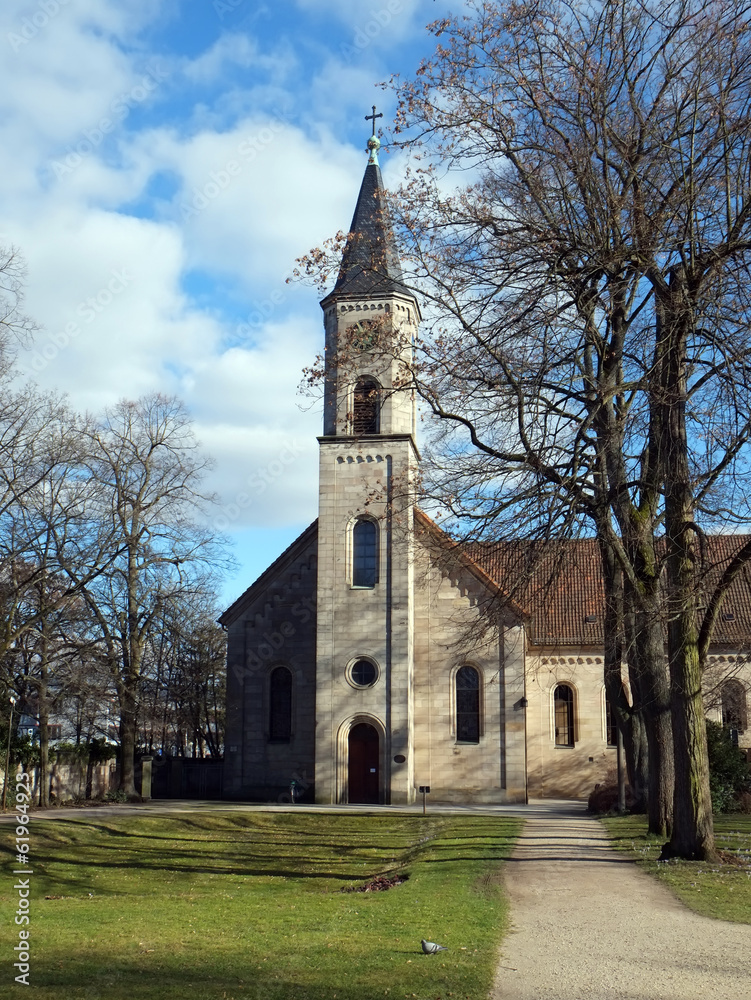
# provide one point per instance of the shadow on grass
(137, 981)
(244, 945)
(68, 853)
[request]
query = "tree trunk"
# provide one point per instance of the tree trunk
(638, 741)
(655, 690)
(613, 658)
(693, 830)
(646, 657)
(128, 745)
(44, 719)
(637, 761)
(132, 646)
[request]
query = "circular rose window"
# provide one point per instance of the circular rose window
(363, 673)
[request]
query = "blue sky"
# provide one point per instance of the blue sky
(164, 163)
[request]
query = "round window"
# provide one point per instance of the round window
(363, 673)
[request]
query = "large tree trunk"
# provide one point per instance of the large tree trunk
(132, 650)
(613, 658)
(44, 720)
(693, 830)
(637, 760)
(128, 744)
(649, 654)
(646, 657)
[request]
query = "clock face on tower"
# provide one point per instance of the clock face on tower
(365, 334)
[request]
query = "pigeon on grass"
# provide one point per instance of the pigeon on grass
(430, 947)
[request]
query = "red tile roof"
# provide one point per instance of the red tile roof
(560, 586)
(556, 586)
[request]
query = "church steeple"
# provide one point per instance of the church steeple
(371, 320)
(368, 468)
(370, 263)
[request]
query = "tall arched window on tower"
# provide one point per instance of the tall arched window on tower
(563, 707)
(366, 409)
(467, 705)
(364, 553)
(280, 705)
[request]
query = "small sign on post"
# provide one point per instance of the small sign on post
(424, 789)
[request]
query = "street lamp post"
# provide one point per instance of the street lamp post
(7, 756)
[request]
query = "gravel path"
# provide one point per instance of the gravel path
(587, 923)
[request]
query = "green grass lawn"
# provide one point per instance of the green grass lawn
(722, 890)
(250, 905)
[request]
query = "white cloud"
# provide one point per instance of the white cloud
(237, 49)
(265, 444)
(380, 21)
(117, 324)
(115, 271)
(106, 288)
(254, 198)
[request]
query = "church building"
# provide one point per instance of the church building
(361, 664)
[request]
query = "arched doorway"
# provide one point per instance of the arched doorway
(364, 780)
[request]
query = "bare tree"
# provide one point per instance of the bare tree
(591, 298)
(145, 530)
(15, 326)
(587, 348)
(184, 691)
(38, 501)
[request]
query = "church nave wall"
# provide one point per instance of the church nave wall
(451, 633)
(271, 716)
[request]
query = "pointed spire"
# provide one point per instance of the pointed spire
(370, 263)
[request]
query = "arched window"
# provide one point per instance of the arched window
(280, 705)
(734, 715)
(366, 412)
(365, 553)
(563, 705)
(467, 705)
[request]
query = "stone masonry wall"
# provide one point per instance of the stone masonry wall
(277, 628)
(451, 631)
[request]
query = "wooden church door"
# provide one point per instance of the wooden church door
(364, 752)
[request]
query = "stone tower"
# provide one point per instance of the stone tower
(368, 459)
